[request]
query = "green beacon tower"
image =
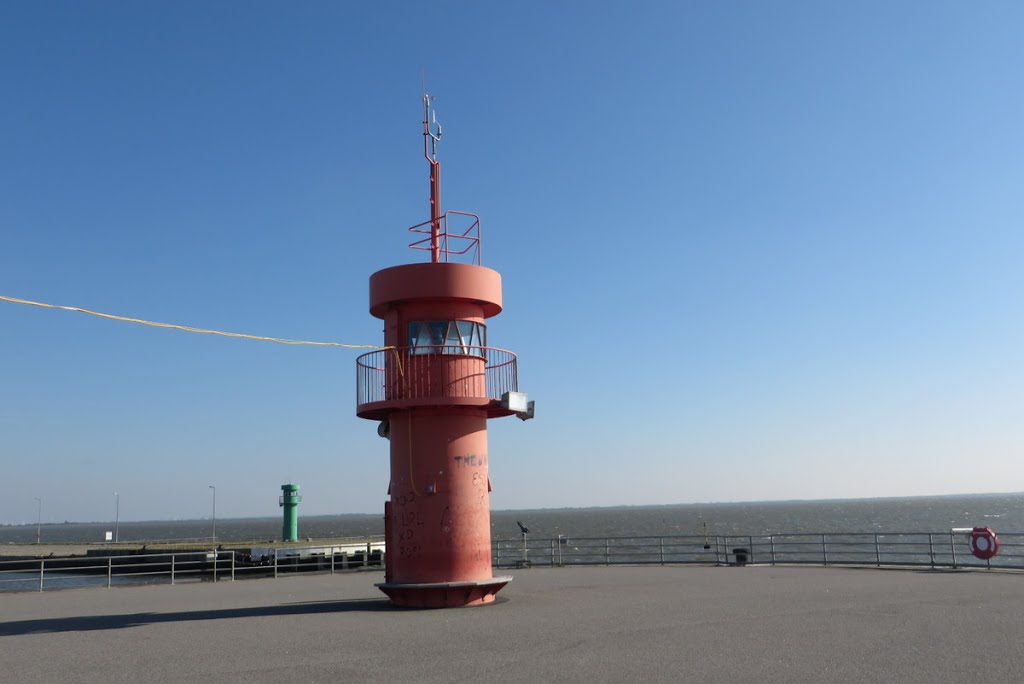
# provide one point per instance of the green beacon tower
(289, 501)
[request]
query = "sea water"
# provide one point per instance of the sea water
(1002, 512)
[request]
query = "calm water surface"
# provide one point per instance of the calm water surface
(1002, 512)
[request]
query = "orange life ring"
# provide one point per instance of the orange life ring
(984, 543)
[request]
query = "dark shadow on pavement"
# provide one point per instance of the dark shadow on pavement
(99, 622)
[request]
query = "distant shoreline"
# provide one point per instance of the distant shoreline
(511, 511)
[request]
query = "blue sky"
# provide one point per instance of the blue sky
(750, 250)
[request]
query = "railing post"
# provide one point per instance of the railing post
(750, 546)
(172, 569)
(42, 565)
(215, 555)
(952, 548)
(824, 551)
(878, 556)
(661, 544)
(607, 553)
(366, 558)
(275, 563)
(552, 552)
(771, 541)
(110, 568)
(232, 566)
(931, 550)
(332, 560)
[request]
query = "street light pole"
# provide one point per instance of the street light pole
(117, 513)
(39, 520)
(214, 514)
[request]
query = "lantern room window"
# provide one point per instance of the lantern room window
(448, 337)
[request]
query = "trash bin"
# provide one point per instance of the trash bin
(741, 556)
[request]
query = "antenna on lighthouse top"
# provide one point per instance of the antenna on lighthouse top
(431, 137)
(451, 233)
(433, 128)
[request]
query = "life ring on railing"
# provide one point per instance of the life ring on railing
(984, 543)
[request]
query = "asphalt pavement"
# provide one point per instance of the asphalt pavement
(619, 624)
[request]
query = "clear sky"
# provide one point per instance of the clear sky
(750, 250)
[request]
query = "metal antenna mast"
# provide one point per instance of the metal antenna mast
(450, 233)
(431, 137)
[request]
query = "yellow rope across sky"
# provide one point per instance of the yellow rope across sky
(185, 328)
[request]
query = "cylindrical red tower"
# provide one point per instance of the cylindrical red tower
(433, 387)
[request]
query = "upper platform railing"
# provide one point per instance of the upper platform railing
(435, 374)
(458, 237)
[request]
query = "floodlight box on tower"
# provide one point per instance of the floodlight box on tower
(433, 387)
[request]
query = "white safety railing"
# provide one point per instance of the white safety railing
(922, 549)
(120, 569)
(910, 549)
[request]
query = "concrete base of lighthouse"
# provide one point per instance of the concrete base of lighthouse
(444, 594)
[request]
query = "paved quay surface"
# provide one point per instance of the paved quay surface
(619, 624)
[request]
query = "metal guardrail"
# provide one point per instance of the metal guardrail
(44, 574)
(427, 372)
(452, 240)
(907, 549)
(915, 549)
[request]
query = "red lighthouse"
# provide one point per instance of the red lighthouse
(432, 388)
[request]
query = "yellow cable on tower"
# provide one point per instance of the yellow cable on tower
(185, 328)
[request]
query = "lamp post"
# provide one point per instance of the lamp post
(117, 514)
(214, 534)
(39, 520)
